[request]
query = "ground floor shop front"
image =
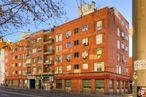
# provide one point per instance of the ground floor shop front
(18, 82)
(99, 84)
(40, 81)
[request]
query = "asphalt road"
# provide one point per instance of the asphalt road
(9, 92)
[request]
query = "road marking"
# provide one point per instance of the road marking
(15, 93)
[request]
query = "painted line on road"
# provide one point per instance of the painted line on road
(15, 93)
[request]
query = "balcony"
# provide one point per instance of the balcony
(27, 56)
(28, 72)
(28, 64)
(48, 52)
(48, 70)
(48, 62)
(48, 32)
(48, 41)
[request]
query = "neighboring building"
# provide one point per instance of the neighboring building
(2, 70)
(92, 53)
(30, 62)
(15, 68)
(88, 54)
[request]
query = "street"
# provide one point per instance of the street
(8, 92)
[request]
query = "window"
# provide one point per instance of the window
(33, 41)
(34, 50)
(85, 41)
(59, 84)
(19, 64)
(118, 56)
(16, 64)
(39, 39)
(99, 66)
(99, 39)
(68, 34)
(39, 49)
(68, 57)
(127, 26)
(99, 25)
(76, 66)
(84, 28)
(118, 31)
(59, 69)
(58, 37)
(58, 48)
(123, 46)
(50, 48)
(118, 70)
(68, 44)
(34, 69)
(99, 83)
(123, 34)
(76, 54)
(123, 22)
(99, 53)
(59, 59)
(76, 30)
(118, 44)
(126, 48)
(126, 37)
(67, 83)
(34, 60)
(76, 42)
(19, 72)
(85, 66)
(86, 83)
(40, 59)
(68, 67)
(16, 72)
(85, 54)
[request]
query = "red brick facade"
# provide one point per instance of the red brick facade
(88, 54)
(76, 78)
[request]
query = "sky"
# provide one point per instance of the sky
(70, 6)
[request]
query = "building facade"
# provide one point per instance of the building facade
(92, 53)
(15, 68)
(86, 55)
(2, 70)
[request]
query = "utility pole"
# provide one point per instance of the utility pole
(139, 46)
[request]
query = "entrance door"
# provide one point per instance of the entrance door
(32, 83)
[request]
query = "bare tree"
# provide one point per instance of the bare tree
(19, 13)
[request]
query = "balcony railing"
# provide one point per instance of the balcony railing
(28, 64)
(48, 52)
(48, 41)
(27, 56)
(28, 72)
(48, 62)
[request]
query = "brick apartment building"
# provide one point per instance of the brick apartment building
(92, 53)
(15, 69)
(88, 54)
(31, 62)
(2, 72)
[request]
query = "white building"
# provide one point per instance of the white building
(2, 70)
